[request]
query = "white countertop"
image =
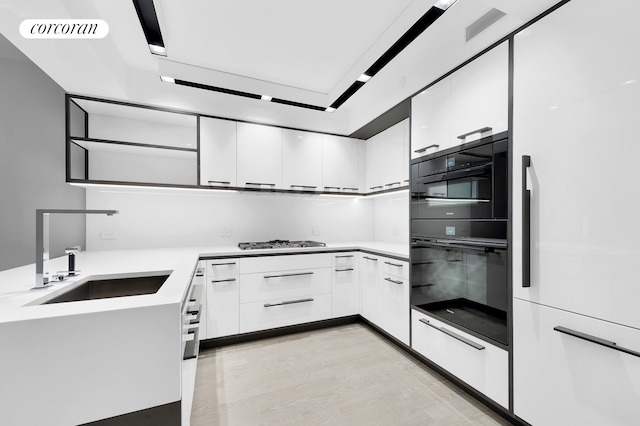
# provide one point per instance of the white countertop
(18, 301)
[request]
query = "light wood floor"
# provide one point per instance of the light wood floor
(345, 375)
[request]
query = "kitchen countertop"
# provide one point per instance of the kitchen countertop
(18, 301)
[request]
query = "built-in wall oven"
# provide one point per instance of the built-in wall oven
(459, 246)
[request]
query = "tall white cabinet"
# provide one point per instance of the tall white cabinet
(259, 161)
(302, 160)
(388, 159)
(577, 327)
(217, 152)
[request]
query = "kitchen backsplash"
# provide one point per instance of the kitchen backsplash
(152, 217)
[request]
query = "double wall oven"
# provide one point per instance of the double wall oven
(459, 250)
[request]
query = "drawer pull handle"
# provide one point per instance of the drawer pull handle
(222, 264)
(593, 339)
(228, 280)
(392, 183)
(369, 258)
(223, 182)
(346, 255)
(288, 302)
(481, 130)
(454, 335)
(331, 187)
(393, 281)
(435, 145)
(260, 184)
(304, 186)
(376, 187)
(344, 270)
(351, 189)
(393, 264)
(288, 275)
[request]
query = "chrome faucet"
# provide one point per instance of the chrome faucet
(42, 240)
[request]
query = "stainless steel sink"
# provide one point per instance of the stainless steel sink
(108, 287)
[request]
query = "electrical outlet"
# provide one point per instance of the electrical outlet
(316, 231)
(109, 235)
(225, 232)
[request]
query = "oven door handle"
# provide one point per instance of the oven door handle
(526, 224)
(461, 246)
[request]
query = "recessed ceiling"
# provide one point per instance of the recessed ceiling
(303, 51)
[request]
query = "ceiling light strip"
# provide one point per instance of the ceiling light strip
(150, 25)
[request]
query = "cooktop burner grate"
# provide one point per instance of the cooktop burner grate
(279, 244)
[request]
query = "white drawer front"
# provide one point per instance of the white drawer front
(222, 267)
(396, 292)
(251, 265)
(397, 268)
(344, 260)
(344, 292)
(284, 284)
(578, 382)
(485, 369)
(223, 306)
(255, 316)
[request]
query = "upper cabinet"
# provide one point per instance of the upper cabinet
(259, 162)
(470, 103)
(217, 152)
(340, 164)
(479, 96)
(113, 142)
(302, 160)
(388, 158)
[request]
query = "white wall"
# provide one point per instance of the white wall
(391, 218)
(32, 161)
(151, 217)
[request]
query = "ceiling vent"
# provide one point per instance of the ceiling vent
(485, 21)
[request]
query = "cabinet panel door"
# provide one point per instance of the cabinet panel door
(255, 316)
(376, 163)
(394, 156)
(217, 152)
(331, 160)
(576, 381)
(575, 115)
(349, 164)
(223, 306)
(284, 284)
(302, 160)
(249, 265)
(259, 155)
(431, 119)
(395, 298)
(479, 95)
(371, 288)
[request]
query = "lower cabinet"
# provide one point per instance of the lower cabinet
(478, 363)
(385, 294)
(264, 315)
(223, 311)
(345, 298)
(569, 369)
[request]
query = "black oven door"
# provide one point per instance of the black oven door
(463, 282)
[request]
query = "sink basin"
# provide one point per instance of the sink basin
(104, 288)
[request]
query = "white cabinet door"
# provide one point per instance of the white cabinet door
(371, 288)
(350, 165)
(259, 155)
(479, 96)
(560, 379)
(395, 296)
(256, 316)
(406, 152)
(575, 115)
(217, 152)
(431, 119)
(302, 160)
(331, 159)
(376, 164)
(478, 363)
(394, 156)
(223, 306)
(344, 285)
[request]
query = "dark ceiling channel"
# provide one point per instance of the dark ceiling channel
(384, 121)
(347, 94)
(297, 104)
(149, 21)
(217, 89)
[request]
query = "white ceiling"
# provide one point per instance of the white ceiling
(304, 51)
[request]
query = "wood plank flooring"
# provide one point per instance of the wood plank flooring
(345, 375)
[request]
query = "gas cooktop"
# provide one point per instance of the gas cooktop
(279, 244)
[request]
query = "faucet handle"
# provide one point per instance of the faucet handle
(72, 250)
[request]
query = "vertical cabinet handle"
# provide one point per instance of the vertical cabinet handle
(526, 224)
